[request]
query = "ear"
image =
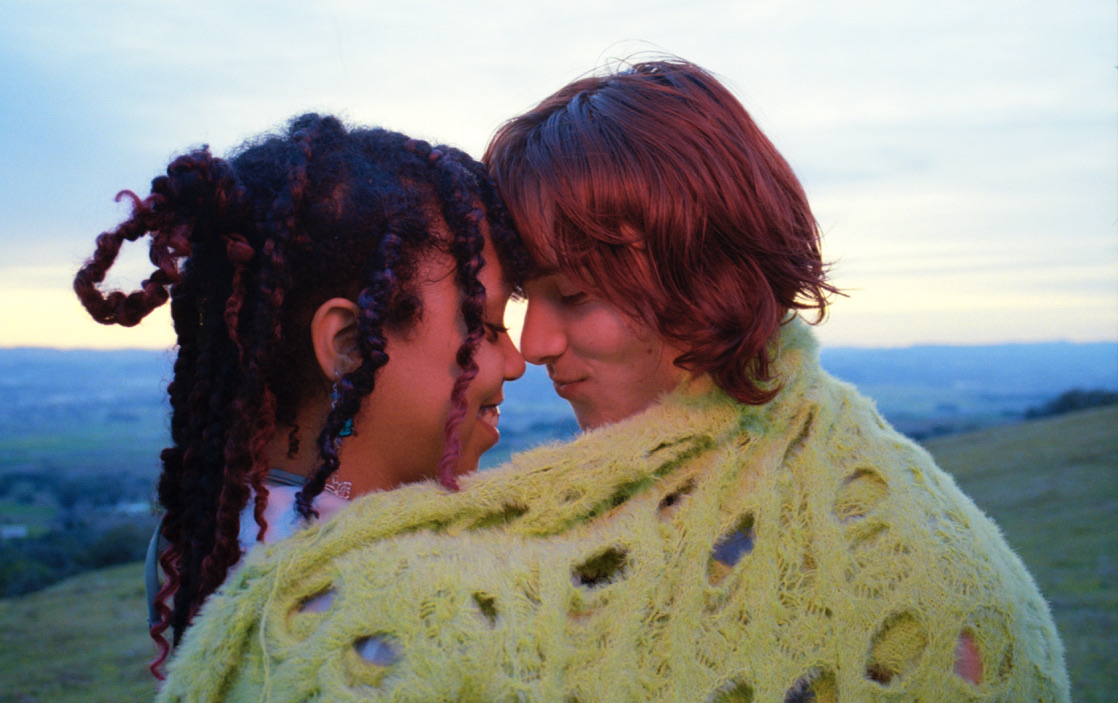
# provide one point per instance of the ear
(334, 336)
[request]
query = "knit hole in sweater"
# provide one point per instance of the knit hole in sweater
(800, 441)
(733, 692)
(377, 650)
(669, 504)
(859, 494)
(968, 662)
(992, 643)
(570, 496)
(508, 514)
(729, 550)
(816, 686)
(601, 569)
(318, 603)
(487, 606)
(896, 648)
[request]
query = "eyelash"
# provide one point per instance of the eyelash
(493, 332)
(574, 298)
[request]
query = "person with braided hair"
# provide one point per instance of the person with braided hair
(734, 525)
(338, 297)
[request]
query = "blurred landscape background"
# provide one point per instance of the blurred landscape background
(959, 158)
(1030, 431)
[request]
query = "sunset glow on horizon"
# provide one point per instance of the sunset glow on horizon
(959, 157)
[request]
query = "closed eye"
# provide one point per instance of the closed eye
(574, 298)
(493, 332)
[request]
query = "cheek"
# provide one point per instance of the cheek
(412, 393)
(490, 371)
(640, 372)
(408, 407)
(607, 337)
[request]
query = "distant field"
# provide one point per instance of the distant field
(1051, 484)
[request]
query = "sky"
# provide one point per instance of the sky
(961, 157)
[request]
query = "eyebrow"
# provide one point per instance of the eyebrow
(541, 271)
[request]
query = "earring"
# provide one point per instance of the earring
(335, 395)
(342, 489)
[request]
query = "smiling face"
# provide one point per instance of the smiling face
(399, 431)
(606, 364)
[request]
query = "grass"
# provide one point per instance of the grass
(84, 639)
(1051, 484)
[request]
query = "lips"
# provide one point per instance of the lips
(565, 388)
(489, 415)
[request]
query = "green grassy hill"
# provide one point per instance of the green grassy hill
(1051, 484)
(84, 639)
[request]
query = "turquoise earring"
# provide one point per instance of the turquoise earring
(335, 394)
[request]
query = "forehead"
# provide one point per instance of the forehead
(437, 264)
(492, 275)
(542, 255)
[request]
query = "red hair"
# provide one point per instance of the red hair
(653, 187)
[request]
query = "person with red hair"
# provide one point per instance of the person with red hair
(653, 193)
(733, 525)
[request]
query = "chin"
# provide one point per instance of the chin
(590, 417)
(471, 459)
(587, 421)
(467, 467)
(468, 462)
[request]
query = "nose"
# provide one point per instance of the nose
(514, 360)
(542, 338)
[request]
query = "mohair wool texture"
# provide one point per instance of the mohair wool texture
(704, 550)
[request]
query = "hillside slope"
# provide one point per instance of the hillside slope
(84, 639)
(1051, 484)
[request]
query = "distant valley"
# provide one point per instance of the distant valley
(81, 432)
(96, 411)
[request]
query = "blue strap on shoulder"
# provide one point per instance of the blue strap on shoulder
(157, 545)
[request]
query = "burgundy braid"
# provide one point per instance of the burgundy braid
(353, 386)
(117, 307)
(167, 560)
(217, 351)
(254, 409)
(240, 253)
(463, 212)
(169, 215)
(185, 315)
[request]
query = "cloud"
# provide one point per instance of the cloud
(970, 135)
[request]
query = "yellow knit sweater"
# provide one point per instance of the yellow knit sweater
(703, 550)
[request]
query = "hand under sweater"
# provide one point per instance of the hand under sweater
(703, 550)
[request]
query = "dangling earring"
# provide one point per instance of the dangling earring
(335, 395)
(335, 485)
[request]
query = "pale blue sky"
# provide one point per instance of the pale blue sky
(961, 156)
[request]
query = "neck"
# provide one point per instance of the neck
(357, 457)
(697, 384)
(293, 448)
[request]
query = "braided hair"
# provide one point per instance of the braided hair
(246, 249)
